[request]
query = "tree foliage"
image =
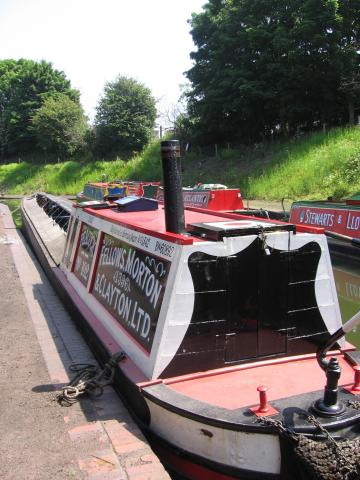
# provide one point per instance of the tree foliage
(24, 86)
(125, 117)
(60, 125)
(262, 66)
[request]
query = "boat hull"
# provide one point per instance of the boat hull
(150, 417)
(339, 218)
(341, 222)
(196, 439)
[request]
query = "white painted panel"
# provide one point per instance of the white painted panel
(325, 289)
(252, 451)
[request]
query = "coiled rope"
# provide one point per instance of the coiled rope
(89, 379)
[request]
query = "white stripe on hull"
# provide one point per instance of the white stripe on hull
(251, 451)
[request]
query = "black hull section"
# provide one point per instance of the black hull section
(343, 250)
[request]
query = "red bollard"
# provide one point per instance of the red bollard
(263, 408)
(356, 386)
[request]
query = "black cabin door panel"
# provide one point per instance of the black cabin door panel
(257, 303)
(249, 299)
(273, 302)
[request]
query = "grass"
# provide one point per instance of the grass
(314, 167)
(318, 166)
(70, 176)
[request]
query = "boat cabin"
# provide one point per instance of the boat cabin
(228, 289)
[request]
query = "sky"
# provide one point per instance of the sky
(94, 41)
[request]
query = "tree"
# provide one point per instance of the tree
(261, 66)
(60, 125)
(350, 45)
(125, 117)
(24, 85)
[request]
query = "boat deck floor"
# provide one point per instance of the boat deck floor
(235, 388)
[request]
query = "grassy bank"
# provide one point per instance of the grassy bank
(70, 176)
(315, 166)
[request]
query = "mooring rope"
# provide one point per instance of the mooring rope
(89, 379)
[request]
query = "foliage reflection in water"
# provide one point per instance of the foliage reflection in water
(347, 279)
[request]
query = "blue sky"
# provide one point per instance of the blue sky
(93, 41)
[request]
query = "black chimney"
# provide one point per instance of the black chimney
(173, 199)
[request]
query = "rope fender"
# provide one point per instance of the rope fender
(323, 458)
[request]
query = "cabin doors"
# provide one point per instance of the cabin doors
(257, 285)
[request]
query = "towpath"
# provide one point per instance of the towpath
(40, 440)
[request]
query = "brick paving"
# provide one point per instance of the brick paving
(94, 438)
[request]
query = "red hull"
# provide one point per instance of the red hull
(343, 219)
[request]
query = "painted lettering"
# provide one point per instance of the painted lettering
(321, 219)
(353, 222)
(164, 248)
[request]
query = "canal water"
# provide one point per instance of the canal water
(347, 279)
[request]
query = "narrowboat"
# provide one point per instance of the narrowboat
(339, 219)
(220, 198)
(208, 196)
(100, 191)
(233, 360)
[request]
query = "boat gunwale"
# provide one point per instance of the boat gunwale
(220, 417)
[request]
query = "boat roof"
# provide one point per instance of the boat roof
(153, 222)
(321, 204)
(331, 203)
(354, 200)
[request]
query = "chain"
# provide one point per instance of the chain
(277, 425)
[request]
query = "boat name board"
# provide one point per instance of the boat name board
(346, 222)
(130, 283)
(85, 254)
(70, 241)
(199, 199)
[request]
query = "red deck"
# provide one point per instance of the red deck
(237, 388)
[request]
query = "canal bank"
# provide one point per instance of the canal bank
(92, 439)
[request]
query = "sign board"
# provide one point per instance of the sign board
(70, 241)
(339, 220)
(130, 283)
(197, 198)
(85, 253)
